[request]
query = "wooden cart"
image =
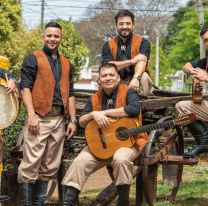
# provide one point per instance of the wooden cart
(164, 150)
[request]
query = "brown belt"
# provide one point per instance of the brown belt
(55, 111)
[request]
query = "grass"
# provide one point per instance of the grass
(193, 190)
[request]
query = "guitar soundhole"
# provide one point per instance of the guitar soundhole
(121, 133)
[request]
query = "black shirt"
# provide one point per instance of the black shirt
(132, 107)
(200, 63)
(29, 72)
(124, 54)
(3, 73)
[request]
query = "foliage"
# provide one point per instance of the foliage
(164, 67)
(183, 41)
(20, 44)
(73, 47)
(10, 16)
(12, 133)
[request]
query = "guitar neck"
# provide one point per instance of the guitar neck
(149, 128)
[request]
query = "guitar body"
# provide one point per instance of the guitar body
(103, 142)
(197, 94)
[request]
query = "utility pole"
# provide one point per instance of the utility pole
(201, 23)
(42, 14)
(157, 59)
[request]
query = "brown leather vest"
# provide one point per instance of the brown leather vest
(135, 47)
(44, 85)
(140, 139)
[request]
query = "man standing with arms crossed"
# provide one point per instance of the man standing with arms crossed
(130, 53)
(48, 94)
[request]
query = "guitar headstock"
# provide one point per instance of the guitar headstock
(185, 119)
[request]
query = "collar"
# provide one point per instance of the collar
(113, 94)
(48, 51)
(120, 40)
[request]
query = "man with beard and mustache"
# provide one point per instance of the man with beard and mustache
(130, 53)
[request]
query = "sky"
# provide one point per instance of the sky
(63, 9)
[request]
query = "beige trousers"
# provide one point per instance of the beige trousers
(85, 164)
(42, 153)
(201, 110)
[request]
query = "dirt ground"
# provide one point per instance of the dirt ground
(96, 181)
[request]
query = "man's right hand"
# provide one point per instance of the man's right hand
(101, 119)
(33, 125)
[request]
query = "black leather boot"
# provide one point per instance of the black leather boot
(123, 195)
(71, 197)
(39, 193)
(200, 133)
(4, 198)
(25, 193)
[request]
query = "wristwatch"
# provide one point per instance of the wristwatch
(139, 77)
(73, 121)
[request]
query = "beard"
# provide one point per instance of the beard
(127, 35)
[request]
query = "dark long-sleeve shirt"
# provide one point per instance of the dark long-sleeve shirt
(201, 63)
(29, 72)
(132, 107)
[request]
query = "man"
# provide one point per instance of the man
(112, 100)
(11, 87)
(198, 129)
(130, 53)
(47, 92)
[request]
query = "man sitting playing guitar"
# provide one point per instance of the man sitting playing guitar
(113, 100)
(197, 128)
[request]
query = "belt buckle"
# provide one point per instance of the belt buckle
(55, 110)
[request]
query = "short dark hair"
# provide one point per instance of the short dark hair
(204, 29)
(108, 65)
(122, 13)
(53, 24)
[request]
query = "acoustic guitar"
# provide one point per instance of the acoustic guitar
(104, 142)
(197, 90)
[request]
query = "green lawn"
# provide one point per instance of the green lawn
(193, 190)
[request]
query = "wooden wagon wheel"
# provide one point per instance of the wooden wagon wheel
(160, 151)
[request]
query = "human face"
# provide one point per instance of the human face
(125, 26)
(205, 39)
(109, 79)
(52, 38)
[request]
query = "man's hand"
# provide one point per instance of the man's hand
(101, 119)
(71, 130)
(139, 57)
(134, 84)
(33, 125)
(11, 86)
(200, 74)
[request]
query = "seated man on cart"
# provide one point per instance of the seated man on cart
(197, 128)
(113, 100)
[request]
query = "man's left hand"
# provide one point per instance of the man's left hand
(135, 84)
(71, 130)
(11, 86)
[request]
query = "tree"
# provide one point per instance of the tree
(20, 44)
(183, 42)
(10, 16)
(73, 47)
(164, 68)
